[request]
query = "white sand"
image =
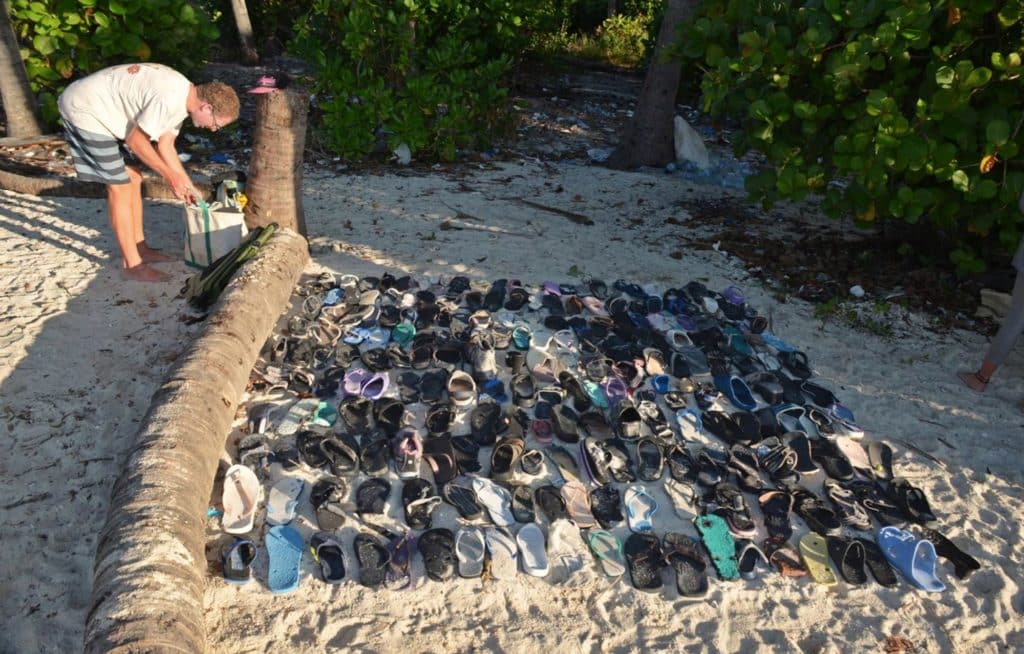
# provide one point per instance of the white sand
(82, 351)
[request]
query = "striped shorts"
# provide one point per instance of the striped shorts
(98, 157)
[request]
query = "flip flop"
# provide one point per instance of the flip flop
(911, 501)
(496, 499)
(877, 563)
(325, 415)
(577, 504)
(296, 416)
(372, 496)
(373, 558)
(747, 556)
(880, 458)
(550, 501)
(914, 558)
(718, 541)
(606, 505)
(470, 549)
(400, 549)
(437, 546)
(534, 557)
(503, 550)
(814, 550)
(327, 497)
(238, 560)
(608, 549)
(690, 565)
(283, 499)
(963, 562)
(849, 556)
(640, 508)
(785, 559)
(855, 454)
(241, 495)
(284, 552)
(645, 559)
(418, 501)
(327, 552)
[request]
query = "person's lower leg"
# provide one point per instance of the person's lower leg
(1009, 331)
(122, 221)
(148, 254)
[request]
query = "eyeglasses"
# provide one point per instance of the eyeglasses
(213, 118)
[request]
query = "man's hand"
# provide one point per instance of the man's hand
(183, 188)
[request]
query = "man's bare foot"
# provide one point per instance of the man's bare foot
(144, 273)
(973, 381)
(151, 255)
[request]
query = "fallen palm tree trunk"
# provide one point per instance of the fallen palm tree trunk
(33, 180)
(150, 567)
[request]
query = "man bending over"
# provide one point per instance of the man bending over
(138, 107)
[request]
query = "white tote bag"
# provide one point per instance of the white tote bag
(211, 231)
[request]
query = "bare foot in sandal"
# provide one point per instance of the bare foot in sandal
(973, 381)
(144, 273)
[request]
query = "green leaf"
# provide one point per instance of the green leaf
(998, 132)
(44, 44)
(979, 77)
(804, 110)
(986, 189)
(945, 76)
(961, 181)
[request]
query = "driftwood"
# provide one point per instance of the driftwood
(577, 218)
(150, 570)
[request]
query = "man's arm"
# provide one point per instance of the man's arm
(163, 159)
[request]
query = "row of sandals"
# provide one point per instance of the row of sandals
(597, 387)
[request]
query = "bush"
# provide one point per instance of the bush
(66, 39)
(905, 109)
(429, 75)
(624, 40)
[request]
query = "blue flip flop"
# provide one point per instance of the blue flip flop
(284, 551)
(776, 342)
(914, 558)
(736, 389)
(640, 508)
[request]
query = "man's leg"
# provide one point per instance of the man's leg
(148, 254)
(121, 201)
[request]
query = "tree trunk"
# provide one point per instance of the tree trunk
(648, 138)
(33, 180)
(15, 91)
(612, 8)
(274, 182)
(250, 56)
(150, 571)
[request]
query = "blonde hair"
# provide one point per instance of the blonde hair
(221, 97)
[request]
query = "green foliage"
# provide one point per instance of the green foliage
(624, 40)
(582, 28)
(425, 73)
(905, 109)
(272, 21)
(66, 39)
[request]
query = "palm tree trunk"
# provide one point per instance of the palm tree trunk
(150, 572)
(274, 182)
(648, 138)
(15, 92)
(249, 54)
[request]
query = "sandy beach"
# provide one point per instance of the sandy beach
(81, 351)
